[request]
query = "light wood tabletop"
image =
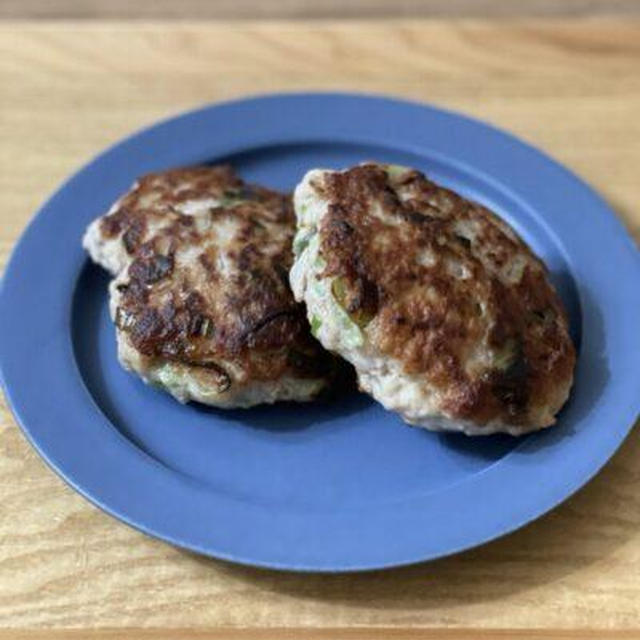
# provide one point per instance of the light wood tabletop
(68, 88)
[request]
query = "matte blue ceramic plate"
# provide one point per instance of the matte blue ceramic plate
(320, 487)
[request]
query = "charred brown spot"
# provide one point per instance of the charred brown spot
(273, 329)
(135, 294)
(132, 237)
(112, 225)
(248, 257)
(418, 218)
(150, 270)
(208, 261)
(148, 330)
(510, 386)
(337, 229)
(363, 297)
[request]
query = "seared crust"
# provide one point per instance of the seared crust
(442, 285)
(203, 260)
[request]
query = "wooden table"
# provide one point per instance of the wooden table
(68, 89)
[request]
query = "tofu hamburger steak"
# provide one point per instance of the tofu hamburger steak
(446, 314)
(200, 299)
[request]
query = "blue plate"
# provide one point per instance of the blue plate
(320, 487)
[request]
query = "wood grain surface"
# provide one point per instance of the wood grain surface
(284, 633)
(68, 89)
(303, 9)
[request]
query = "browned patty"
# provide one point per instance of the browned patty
(443, 286)
(203, 262)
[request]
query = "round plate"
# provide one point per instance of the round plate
(321, 487)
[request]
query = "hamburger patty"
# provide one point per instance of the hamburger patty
(201, 300)
(446, 314)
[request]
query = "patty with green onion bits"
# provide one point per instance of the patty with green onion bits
(201, 299)
(446, 314)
